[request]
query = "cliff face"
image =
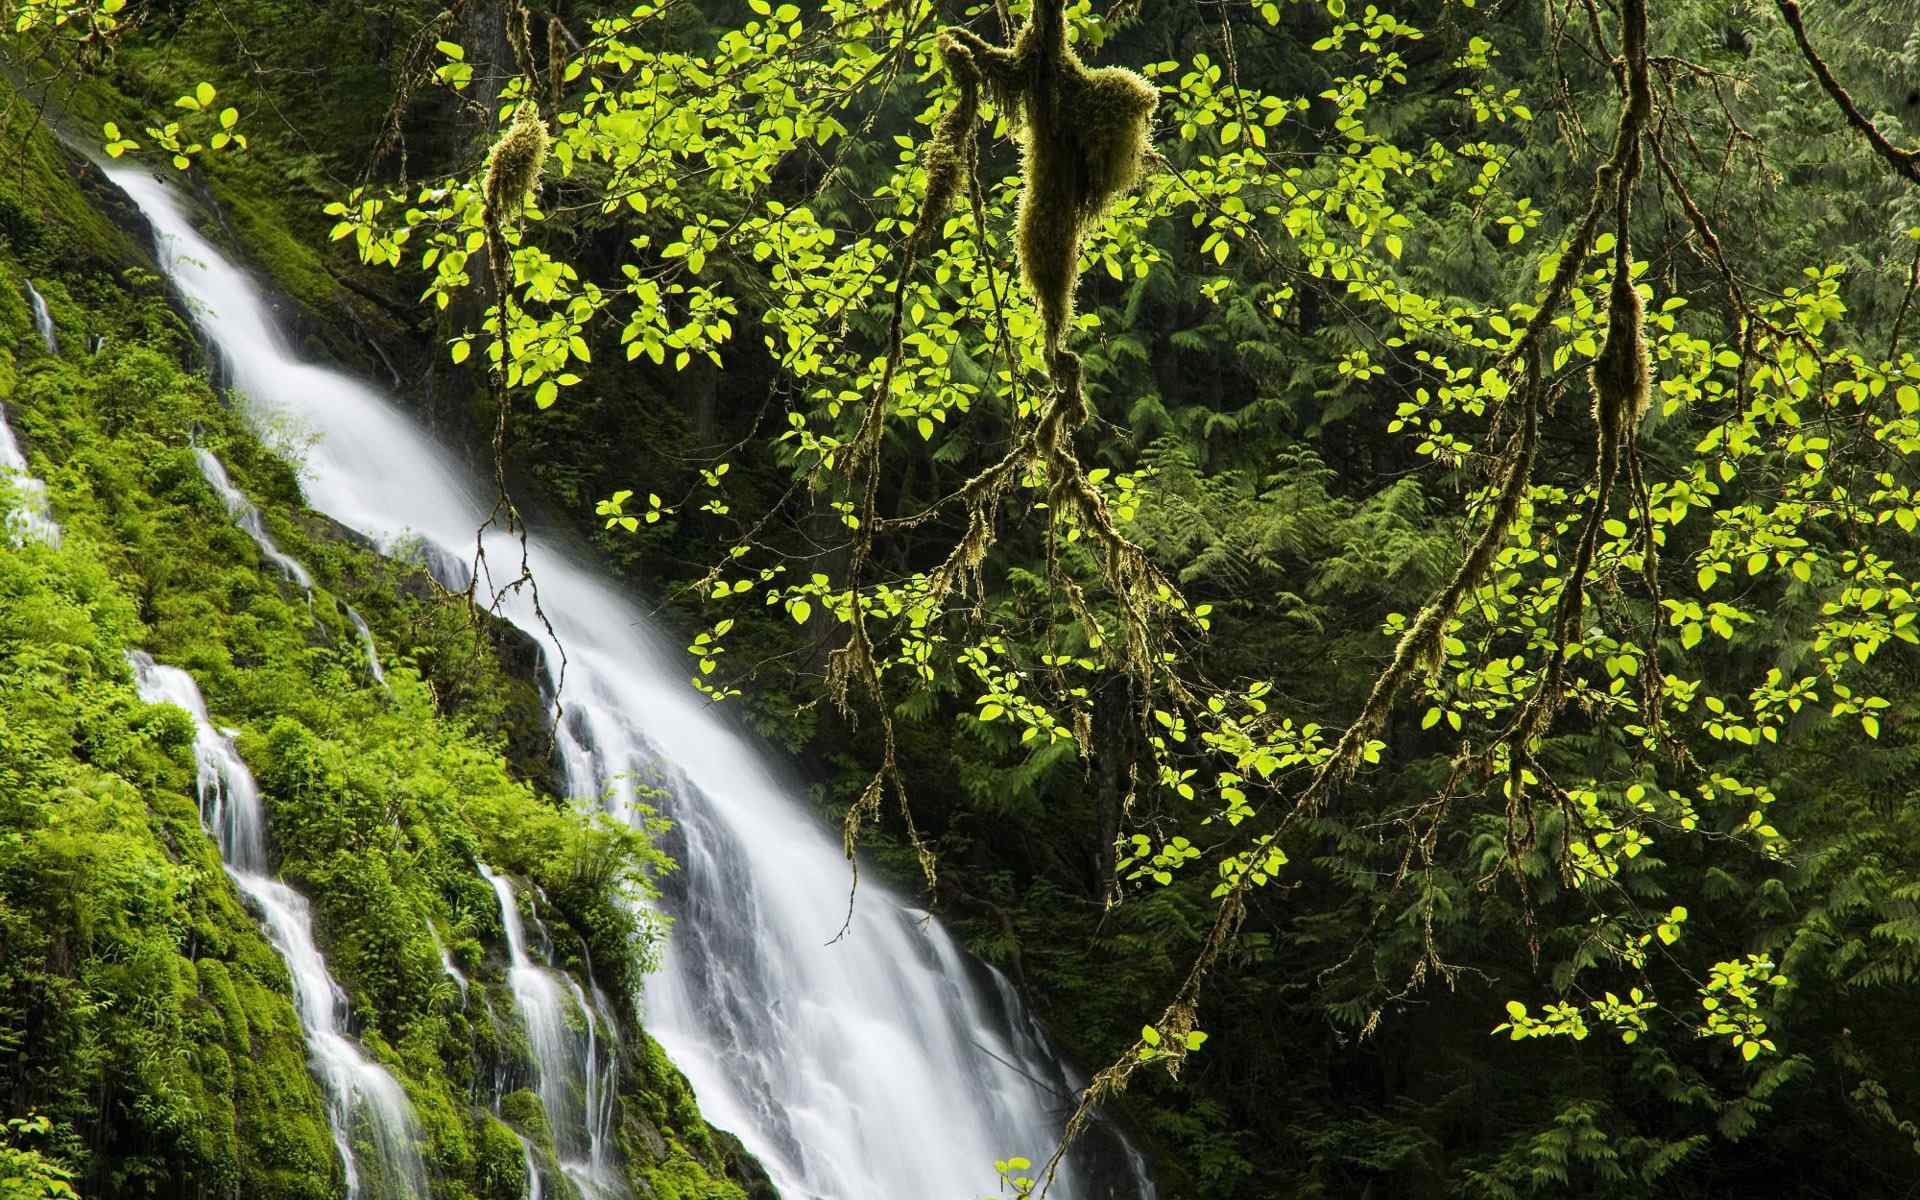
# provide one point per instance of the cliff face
(149, 1039)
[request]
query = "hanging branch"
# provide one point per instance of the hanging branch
(1621, 379)
(1083, 138)
(948, 163)
(1906, 162)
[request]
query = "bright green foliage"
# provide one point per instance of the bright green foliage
(26, 1174)
(1362, 239)
(1025, 622)
(1646, 773)
(176, 139)
(146, 1027)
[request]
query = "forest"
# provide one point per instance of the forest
(941, 599)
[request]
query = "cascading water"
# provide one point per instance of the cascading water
(536, 1187)
(367, 644)
(869, 1069)
(42, 320)
(246, 515)
(366, 1107)
(28, 519)
(447, 967)
(572, 1073)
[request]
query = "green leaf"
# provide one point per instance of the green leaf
(801, 610)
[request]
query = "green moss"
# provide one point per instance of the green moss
(46, 218)
(115, 914)
(500, 1169)
(1083, 139)
(522, 1109)
(217, 986)
(683, 1177)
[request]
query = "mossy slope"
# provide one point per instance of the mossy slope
(141, 1011)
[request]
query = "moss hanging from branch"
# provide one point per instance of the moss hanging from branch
(556, 61)
(515, 164)
(1083, 135)
(1621, 378)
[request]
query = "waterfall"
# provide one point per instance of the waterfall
(873, 1068)
(536, 1187)
(366, 1107)
(28, 519)
(246, 515)
(572, 1074)
(42, 320)
(367, 644)
(447, 968)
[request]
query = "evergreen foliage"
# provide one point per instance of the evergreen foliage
(1518, 401)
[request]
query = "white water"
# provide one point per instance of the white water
(29, 519)
(366, 1107)
(572, 1074)
(367, 644)
(451, 971)
(42, 320)
(536, 1187)
(874, 1068)
(246, 515)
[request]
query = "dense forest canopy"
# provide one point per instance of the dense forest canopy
(1358, 555)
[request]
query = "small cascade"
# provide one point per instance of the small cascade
(373, 1124)
(572, 1074)
(247, 517)
(536, 1186)
(448, 569)
(42, 320)
(366, 641)
(30, 519)
(452, 972)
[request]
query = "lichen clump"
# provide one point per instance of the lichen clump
(950, 152)
(1083, 135)
(1622, 374)
(515, 163)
